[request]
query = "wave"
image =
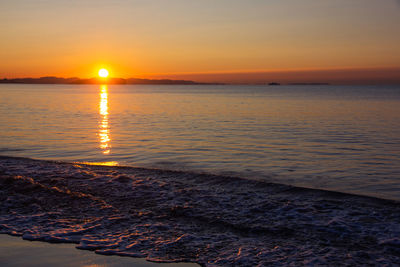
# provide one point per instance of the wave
(171, 216)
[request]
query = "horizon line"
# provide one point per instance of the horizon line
(240, 71)
(345, 75)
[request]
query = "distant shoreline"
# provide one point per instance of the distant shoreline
(74, 80)
(138, 81)
(131, 81)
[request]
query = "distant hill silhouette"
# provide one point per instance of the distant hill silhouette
(75, 80)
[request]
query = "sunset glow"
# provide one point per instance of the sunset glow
(190, 40)
(103, 73)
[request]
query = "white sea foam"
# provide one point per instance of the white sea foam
(179, 216)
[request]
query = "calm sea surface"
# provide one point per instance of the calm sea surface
(343, 138)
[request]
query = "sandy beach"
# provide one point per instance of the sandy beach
(14, 251)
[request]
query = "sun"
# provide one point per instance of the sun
(103, 73)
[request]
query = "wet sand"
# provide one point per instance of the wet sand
(14, 251)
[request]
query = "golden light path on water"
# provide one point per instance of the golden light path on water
(104, 130)
(107, 163)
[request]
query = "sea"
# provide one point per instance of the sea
(337, 138)
(215, 175)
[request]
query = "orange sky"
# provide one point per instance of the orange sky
(188, 38)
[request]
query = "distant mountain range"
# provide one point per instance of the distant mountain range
(74, 80)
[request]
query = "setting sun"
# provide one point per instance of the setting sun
(103, 73)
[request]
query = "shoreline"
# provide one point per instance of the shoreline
(113, 165)
(169, 216)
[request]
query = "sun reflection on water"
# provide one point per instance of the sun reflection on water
(104, 130)
(108, 163)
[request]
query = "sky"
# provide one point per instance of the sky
(206, 40)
